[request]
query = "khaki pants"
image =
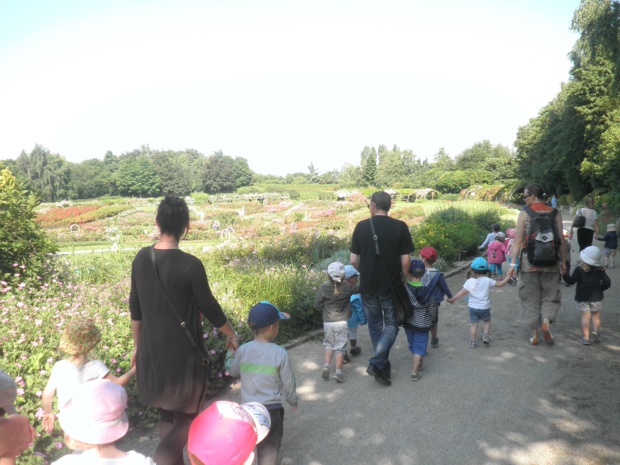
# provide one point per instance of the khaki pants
(540, 297)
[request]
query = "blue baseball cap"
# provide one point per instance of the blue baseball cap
(264, 314)
(350, 271)
(416, 265)
(479, 264)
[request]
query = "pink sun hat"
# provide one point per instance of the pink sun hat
(226, 433)
(96, 413)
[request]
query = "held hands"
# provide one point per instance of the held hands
(451, 300)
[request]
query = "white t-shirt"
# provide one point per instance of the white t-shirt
(478, 289)
(590, 216)
(87, 458)
(67, 377)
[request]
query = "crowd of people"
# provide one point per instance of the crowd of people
(170, 295)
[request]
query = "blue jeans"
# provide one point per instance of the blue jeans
(382, 327)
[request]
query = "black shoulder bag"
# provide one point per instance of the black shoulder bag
(205, 357)
(402, 305)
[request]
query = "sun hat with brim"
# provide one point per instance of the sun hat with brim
(591, 255)
(8, 393)
(350, 271)
(80, 337)
(611, 227)
(336, 271)
(264, 314)
(479, 264)
(96, 413)
(223, 434)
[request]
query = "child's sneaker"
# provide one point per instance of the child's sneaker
(434, 342)
(347, 359)
(416, 375)
(325, 373)
(472, 343)
(338, 377)
(485, 339)
(585, 342)
(595, 337)
(355, 351)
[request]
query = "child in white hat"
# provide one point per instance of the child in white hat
(78, 339)
(591, 281)
(334, 297)
(93, 420)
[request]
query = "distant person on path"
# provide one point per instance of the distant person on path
(490, 237)
(436, 282)
(166, 282)
(382, 258)
(334, 298)
(358, 317)
(554, 201)
(93, 420)
(511, 233)
(496, 255)
(606, 217)
(266, 375)
(539, 286)
(591, 281)
(421, 320)
(585, 234)
(611, 244)
(478, 287)
(78, 339)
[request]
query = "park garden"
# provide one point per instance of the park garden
(273, 248)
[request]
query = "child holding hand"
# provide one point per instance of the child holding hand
(79, 338)
(591, 281)
(478, 287)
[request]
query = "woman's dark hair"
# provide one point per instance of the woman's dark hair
(536, 190)
(173, 216)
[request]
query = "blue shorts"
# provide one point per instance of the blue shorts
(476, 314)
(417, 342)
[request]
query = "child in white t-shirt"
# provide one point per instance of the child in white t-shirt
(478, 287)
(79, 338)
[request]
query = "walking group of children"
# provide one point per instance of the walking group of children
(498, 250)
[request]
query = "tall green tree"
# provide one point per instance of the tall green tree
(368, 163)
(46, 172)
(218, 173)
(137, 177)
(243, 174)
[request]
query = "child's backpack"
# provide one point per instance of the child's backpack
(542, 241)
(430, 280)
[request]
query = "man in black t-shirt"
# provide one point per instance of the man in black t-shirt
(382, 260)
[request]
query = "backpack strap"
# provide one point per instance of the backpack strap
(434, 280)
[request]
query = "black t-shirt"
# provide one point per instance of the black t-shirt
(394, 240)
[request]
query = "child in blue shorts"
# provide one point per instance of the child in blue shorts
(421, 320)
(478, 287)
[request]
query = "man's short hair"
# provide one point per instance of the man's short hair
(382, 200)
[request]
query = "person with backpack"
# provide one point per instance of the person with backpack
(541, 249)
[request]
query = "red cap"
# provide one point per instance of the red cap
(429, 253)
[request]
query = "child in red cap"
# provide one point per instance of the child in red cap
(436, 282)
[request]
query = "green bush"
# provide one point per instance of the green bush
(24, 245)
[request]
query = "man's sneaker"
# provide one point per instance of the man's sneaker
(434, 342)
(325, 373)
(347, 359)
(595, 337)
(486, 339)
(355, 351)
(472, 343)
(416, 375)
(338, 377)
(379, 377)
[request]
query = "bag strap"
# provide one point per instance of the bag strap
(375, 238)
(434, 281)
(204, 355)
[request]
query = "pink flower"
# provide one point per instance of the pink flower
(15, 265)
(39, 413)
(58, 445)
(20, 392)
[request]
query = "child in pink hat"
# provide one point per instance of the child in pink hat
(93, 420)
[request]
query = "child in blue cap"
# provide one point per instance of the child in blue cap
(266, 375)
(478, 287)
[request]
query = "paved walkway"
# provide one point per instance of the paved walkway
(511, 403)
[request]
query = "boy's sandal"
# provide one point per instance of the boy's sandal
(534, 341)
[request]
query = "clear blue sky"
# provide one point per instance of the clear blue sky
(280, 83)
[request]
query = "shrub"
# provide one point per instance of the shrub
(22, 242)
